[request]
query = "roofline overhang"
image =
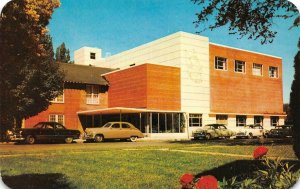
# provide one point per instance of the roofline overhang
(117, 110)
(247, 114)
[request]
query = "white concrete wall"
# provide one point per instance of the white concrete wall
(189, 52)
(82, 56)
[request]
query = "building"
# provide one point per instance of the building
(176, 84)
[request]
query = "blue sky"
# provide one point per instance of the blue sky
(118, 25)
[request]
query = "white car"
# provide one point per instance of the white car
(251, 131)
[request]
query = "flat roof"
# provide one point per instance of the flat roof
(254, 52)
(118, 110)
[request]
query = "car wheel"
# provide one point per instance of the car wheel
(133, 138)
(68, 140)
(250, 135)
(208, 136)
(99, 138)
(30, 139)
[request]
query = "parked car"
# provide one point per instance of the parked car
(44, 131)
(280, 132)
(251, 131)
(213, 131)
(113, 130)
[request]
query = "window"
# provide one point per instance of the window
(220, 63)
(239, 66)
(195, 120)
(273, 72)
(274, 121)
(116, 126)
(257, 69)
(57, 118)
(59, 99)
(241, 120)
(92, 94)
(222, 119)
(93, 56)
(259, 120)
(125, 126)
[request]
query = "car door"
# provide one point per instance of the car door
(47, 132)
(114, 131)
(222, 131)
(127, 131)
(60, 132)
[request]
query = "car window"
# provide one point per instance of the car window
(107, 125)
(47, 126)
(59, 127)
(39, 125)
(222, 127)
(125, 126)
(115, 126)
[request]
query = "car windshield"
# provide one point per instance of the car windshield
(107, 125)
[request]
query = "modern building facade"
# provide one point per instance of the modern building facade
(174, 85)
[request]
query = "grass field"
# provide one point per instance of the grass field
(118, 164)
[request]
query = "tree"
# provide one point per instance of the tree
(252, 18)
(62, 54)
(29, 78)
(295, 103)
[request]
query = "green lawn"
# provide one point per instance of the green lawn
(118, 165)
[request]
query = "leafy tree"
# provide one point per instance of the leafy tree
(252, 18)
(62, 54)
(29, 78)
(295, 103)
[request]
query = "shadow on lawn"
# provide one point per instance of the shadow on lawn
(242, 169)
(36, 181)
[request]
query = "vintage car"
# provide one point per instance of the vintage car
(213, 131)
(280, 131)
(43, 131)
(113, 130)
(251, 131)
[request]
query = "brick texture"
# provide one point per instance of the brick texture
(233, 92)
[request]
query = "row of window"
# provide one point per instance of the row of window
(92, 95)
(240, 67)
(195, 120)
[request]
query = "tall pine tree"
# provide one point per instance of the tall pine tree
(29, 78)
(62, 54)
(295, 103)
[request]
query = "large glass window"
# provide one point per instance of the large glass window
(274, 121)
(92, 94)
(273, 72)
(167, 123)
(257, 69)
(239, 66)
(195, 120)
(220, 63)
(241, 120)
(222, 119)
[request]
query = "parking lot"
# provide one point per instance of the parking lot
(142, 143)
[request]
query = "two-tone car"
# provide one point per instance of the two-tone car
(280, 131)
(250, 131)
(211, 131)
(113, 130)
(44, 131)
